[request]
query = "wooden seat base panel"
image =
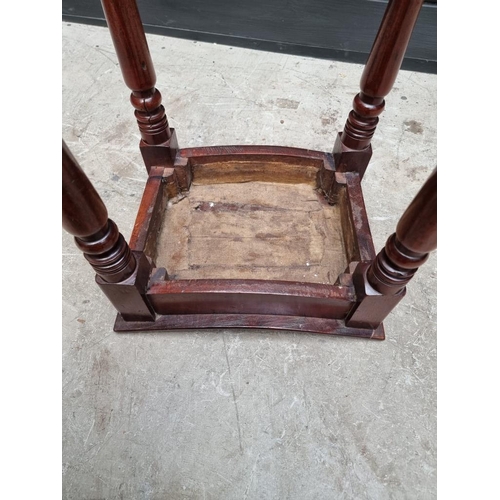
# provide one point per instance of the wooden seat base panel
(252, 230)
(255, 194)
(221, 169)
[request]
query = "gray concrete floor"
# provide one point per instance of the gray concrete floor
(236, 414)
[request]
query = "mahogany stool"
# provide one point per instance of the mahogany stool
(243, 200)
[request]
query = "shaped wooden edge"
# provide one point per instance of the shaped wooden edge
(188, 322)
(281, 305)
(228, 296)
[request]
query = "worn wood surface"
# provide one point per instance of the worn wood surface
(297, 156)
(222, 164)
(149, 216)
(243, 170)
(256, 230)
(359, 225)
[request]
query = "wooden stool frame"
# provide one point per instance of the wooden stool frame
(147, 299)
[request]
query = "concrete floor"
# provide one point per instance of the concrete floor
(238, 414)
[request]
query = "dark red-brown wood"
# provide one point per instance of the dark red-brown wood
(221, 164)
(380, 284)
(409, 247)
(148, 219)
(250, 297)
(251, 321)
(352, 148)
(228, 153)
(127, 33)
(219, 303)
(355, 219)
(85, 216)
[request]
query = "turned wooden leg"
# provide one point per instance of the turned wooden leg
(158, 144)
(381, 284)
(352, 150)
(120, 274)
